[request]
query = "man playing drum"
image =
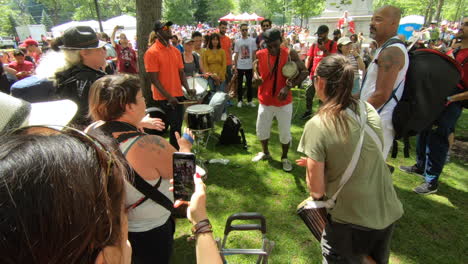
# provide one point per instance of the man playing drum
(274, 94)
(166, 70)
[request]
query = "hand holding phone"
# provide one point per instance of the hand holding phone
(184, 169)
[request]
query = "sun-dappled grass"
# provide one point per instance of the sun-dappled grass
(433, 229)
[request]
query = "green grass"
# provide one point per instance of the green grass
(433, 229)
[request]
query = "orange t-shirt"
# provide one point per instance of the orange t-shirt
(266, 62)
(226, 46)
(166, 61)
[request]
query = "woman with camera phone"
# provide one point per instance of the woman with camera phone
(126, 55)
(118, 105)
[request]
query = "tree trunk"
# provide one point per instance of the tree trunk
(428, 16)
(147, 12)
(439, 10)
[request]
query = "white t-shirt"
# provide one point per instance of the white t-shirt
(245, 48)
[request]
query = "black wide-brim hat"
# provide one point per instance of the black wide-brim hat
(81, 37)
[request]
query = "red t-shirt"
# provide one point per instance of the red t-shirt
(266, 62)
(26, 66)
(226, 46)
(126, 59)
(317, 54)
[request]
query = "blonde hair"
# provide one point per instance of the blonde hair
(53, 62)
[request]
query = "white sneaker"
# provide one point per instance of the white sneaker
(223, 117)
(287, 166)
(252, 104)
(261, 156)
(239, 104)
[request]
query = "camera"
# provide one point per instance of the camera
(120, 27)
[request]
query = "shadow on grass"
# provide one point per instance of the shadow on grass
(431, 224)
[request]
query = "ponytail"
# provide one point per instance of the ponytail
(339, 73)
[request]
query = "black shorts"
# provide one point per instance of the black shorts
(345, 243)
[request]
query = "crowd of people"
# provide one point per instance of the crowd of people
(104, 182)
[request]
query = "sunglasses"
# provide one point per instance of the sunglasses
(244, 30)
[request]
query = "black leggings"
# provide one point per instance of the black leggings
(153, 246)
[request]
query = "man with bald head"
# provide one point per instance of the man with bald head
(383, 83)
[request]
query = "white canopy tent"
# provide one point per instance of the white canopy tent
(58, 30)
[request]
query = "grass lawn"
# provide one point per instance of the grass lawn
(433, 229)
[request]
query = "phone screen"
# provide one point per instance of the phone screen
(184, 168)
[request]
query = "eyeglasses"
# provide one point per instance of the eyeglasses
(244, 30)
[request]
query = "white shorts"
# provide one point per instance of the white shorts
(265, 118)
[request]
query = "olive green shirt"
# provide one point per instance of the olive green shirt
(368, 198)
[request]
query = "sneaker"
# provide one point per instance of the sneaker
(261, 156)
(252, 104)
(306, 115)
(287, 166)
(426, 188)
(223, 117)
(239, 104)
(412, 169)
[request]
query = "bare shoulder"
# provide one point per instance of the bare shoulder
(391, 58)
(152, 143)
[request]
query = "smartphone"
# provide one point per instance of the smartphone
(121, 27)
(183, 165)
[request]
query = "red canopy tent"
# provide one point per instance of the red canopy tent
(228, 17)
(243, 17)
(256, 17)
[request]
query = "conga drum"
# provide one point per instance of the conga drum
(314, 217)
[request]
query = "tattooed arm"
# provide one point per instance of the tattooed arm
(151, 157)
(390, 62)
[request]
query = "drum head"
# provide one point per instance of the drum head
(200, 85)
(199, 109)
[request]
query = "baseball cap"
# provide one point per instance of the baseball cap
(187, 40)
(30, 42)
(336, 32)
(322, 29)
(16, 113)
(160, 24)
(344, 41)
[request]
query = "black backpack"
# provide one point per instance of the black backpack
(431, 77)
(232, 132)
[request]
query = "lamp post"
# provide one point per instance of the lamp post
(98, 15)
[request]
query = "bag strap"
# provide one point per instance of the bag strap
(392, 96)
(389, 42)
(357, 151)
(150, 191)
(244, 141)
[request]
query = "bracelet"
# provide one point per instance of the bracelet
(201, 227)
(188, 137)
